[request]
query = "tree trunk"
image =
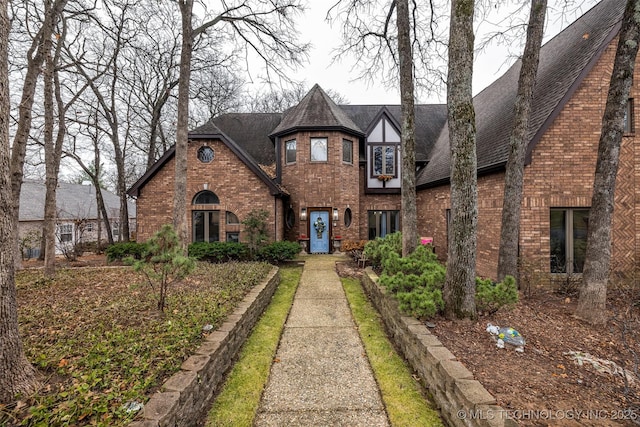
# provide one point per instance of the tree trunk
(16, 373)
(460, 285)
(405, 54)
(593, 294)
(35, 58)
(182, 131)
(514, 176)
(51, 180)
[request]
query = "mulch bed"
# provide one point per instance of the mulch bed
(545, 385)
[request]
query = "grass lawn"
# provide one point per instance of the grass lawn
(238, 401)
(403, 397)
(101, 346)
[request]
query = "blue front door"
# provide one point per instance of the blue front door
(319, 232)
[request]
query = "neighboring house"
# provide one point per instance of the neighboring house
(324, 171)
(77, 220)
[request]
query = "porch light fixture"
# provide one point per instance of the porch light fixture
(303, 214)
(335, 214)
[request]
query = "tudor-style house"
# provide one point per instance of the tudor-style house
(327, 172)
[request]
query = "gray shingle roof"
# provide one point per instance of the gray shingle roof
(564, 61)
(429, 121)
(315, 111)
(249, 130)
(73, 201)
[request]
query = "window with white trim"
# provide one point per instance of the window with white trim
(65, 232)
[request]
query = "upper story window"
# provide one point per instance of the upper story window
(205, 154)
(319, 149)
(347, 151)
(290, 151)
(384, 160)
(628, 117)
(206, 197)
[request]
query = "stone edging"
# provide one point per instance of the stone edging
(462, 400)
(186, 396)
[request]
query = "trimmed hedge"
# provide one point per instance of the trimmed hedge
(276, 252)
(217, 252)
(122, 250)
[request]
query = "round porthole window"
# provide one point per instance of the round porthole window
(290, 219)
(205, 154)
(347, 217)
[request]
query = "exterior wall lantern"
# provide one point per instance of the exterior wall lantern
(303, 214)
(335, 214)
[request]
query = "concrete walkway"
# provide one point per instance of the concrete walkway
(321, 375)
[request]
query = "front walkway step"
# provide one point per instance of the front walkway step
(321, 375)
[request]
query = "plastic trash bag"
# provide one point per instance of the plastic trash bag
(506, 336)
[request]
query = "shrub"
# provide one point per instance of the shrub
(416, 280)
(492, 296)
(378, 249)
(163, 263)
(218, 251)
(279, 251)
(255, 227)
(421, 302)
(122, 250)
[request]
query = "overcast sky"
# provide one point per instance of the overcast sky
(489, 65)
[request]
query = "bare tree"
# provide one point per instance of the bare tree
(103, 78)
(265, 29)
(593, 293)
(408, 135)
(460, 282)
(514, 176)
(16, 373)
(35, 60)
(368, 36)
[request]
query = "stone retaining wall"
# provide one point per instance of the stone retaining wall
(186, 396)
(462, 400)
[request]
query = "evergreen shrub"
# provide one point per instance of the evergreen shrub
(122, 250)
(491, 296)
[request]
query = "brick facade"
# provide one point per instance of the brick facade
(560, 175)
(239, 189)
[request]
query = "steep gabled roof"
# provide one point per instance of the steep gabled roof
(564, 62)
(429, 122)
(210, 131)
(73, 201)
(316, 111)
(249, 130)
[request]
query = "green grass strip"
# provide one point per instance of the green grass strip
(239, 399)
(403, 397)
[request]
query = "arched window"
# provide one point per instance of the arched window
(232, 218)
(206, 197)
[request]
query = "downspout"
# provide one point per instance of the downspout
(278, 163)
(275, 222)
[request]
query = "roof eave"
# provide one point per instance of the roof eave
(317, 128)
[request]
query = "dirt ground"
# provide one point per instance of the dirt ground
(545, 385)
